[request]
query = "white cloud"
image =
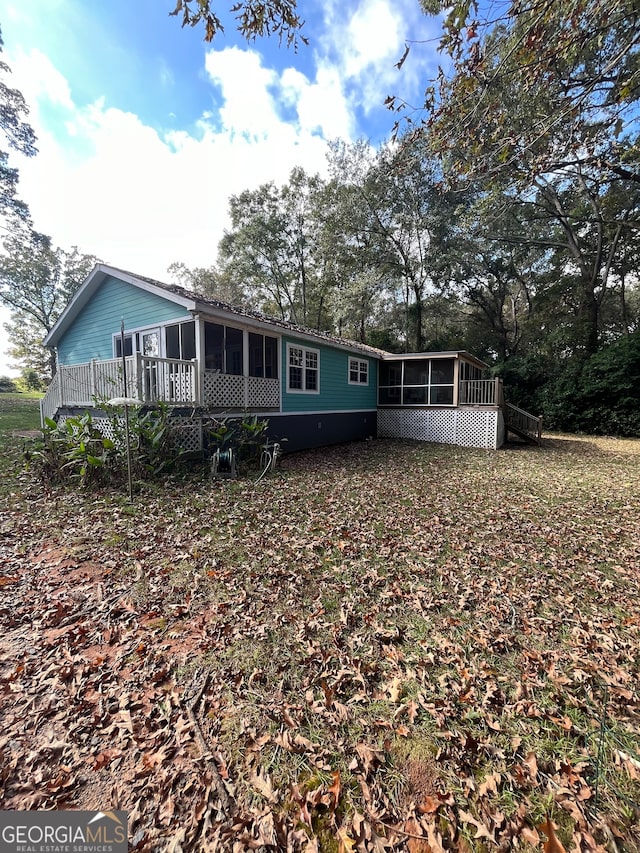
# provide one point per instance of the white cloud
(105, 181)
(141, 199)
(373, 35)
(366, 45)
(39, 81)
(245, 86)
(321, 105)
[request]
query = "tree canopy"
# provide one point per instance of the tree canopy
(532, 87)
(19, 136)
(36, 282)
(253, 18)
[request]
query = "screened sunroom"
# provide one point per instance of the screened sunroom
(440, 396)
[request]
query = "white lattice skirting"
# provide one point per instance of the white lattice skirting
(186, 433)
(464, 427)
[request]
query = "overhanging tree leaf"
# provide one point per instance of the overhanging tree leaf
(19, 136)
(253, 18)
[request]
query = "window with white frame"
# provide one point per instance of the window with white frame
(303, 369)
(180, 340)
(358, 371)
(130, 344)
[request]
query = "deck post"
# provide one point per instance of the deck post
(93, 384)
(197, 382)
(138, 364)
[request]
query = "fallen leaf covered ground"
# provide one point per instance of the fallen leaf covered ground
(382, 646)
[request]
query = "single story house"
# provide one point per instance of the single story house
(127, 335)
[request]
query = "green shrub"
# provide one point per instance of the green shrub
(7, 385)
(74, 450)
(599, 395)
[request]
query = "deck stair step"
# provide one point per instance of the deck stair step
(523, 424)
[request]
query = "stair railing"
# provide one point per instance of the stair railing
(523, 422)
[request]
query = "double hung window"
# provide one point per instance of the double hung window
(303, 369)
(358, 371)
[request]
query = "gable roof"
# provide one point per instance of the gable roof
(192, 302)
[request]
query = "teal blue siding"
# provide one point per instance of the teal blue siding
(91, 335)
(336, 395)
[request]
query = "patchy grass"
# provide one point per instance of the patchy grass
(382, 642)
(19, 411)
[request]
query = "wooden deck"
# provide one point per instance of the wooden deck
(153, 380)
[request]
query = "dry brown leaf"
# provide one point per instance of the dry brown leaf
(530, 835)
(490, 785)
(531, 764)
(262, 783)
(553, 843)
(370, 758)
(429, 805)
(346, 843)
(483, 831)
(416, 841)
(334, 789)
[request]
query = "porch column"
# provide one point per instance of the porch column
(138, 378)
(200, 360)
(456, 380)
(245, 366)
(197, 383)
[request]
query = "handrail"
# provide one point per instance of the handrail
(523, 421)
(51, 400)
(152, 379)
(480, 392)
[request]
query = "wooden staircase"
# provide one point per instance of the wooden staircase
(523, 424)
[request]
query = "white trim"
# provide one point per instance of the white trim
(164, 292)
(136, 330)
(360, 362)
(460, 355)
(425, 406)
(303, 368)
(89, 286)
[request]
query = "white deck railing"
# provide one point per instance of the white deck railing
(480, 392)
(153, 380)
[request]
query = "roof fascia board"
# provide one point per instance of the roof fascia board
(208, 311)
(91, 283)
(414, 356)
(165, 293)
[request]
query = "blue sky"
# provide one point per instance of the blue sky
(145, 130)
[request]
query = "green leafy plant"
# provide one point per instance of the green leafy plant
(246, 436)
(75, 450)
